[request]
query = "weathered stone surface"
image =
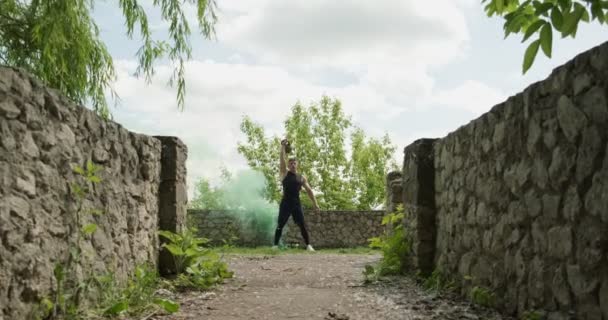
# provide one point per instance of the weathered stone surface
(581, 82)
(588, 308)
(587, 153)
(581, 283)
(26, 183)
(571, 119)
(18, 206)
(8, 109)
(533, 204)
(564, 158)
(557, 315)
(590, 239)
(535, 134)
(594, 105)
(41, 140)
(100, 155)
(550, 206)
(561, 291)
(560, 242)
(531, 194)
(29, 147)
(596, 200)
(603, 295)
(572, 204)
(539, 173)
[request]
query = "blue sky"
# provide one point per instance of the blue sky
(410, 68)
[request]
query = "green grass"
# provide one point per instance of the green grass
(282, 251)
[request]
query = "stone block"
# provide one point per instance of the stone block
(596, 199)
(581, 283)
(560, 242)
(564, 158)
(571, 119)
(594, 104)
(603, 295)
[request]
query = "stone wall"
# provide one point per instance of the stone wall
(521, 196)
(43, 136)
(327, 229)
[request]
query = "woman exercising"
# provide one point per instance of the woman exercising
(290, 203)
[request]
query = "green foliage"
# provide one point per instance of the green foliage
(59, 42)
(532, 315)
(319, 135)
(137, 297)
(482, 296)
(394, 247)
(197, 267)
(438, 282)
(541, 17)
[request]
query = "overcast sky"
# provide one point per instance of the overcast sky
(410, 68)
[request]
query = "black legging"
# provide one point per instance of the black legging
(287, 208)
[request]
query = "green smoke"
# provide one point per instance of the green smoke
(242, 196)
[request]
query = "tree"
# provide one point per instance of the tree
(318, 135)
(58, 41)
(541, 17)
(207, 197)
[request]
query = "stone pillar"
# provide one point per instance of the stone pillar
(394, 191)
(173, 196)
(419, 203)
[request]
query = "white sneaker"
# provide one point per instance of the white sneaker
(309, 248)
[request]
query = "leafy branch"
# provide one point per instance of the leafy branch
(539, 19)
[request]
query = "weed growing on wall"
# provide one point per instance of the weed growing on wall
(80, 294)
(197, 267)
(394, 247)
(482, 296)
(532, 315)
(437, 282)
(137, 297)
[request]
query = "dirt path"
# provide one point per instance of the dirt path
(316, 286)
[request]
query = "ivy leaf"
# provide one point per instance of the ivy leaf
(546, 39)
(530, 55)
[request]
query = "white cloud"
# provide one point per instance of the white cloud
(389, 46)
(472, 96)
(349, 33)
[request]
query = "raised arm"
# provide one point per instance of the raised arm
(282, 165)
(311, 195)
